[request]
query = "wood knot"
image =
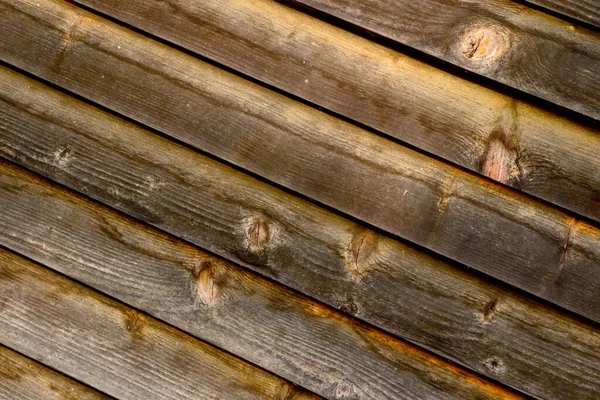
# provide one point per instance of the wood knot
(62, 156)
(343, 390)
(494, 365)
(134, 324)
(206, 289)
(483, 45)
(488, 311)
(153, 182)
(362, 247)
(349, 307)
(259, 233)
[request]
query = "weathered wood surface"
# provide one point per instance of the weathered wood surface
(387, 283)
(260, 321)
(587, 11)
(114, 348)
(483, 225)
(525, 147)
(24, 379)
(508, 42)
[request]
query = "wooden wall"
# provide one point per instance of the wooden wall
(321, 199)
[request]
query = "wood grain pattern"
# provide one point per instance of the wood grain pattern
(116, 349)
(480, 224)
(24, 379)
(587, 11)
(502, 40)
(537, 152)
(383, 281)
(257, 320)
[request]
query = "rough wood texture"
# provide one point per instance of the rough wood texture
(527, 148)
(483, 225)
(257, 320)
(24, 379)
(584, 10)
(513, 44)
(115, 349)
(387, 283)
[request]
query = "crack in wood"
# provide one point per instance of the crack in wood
(489, 311)
(69, 36)
(566, 247)
(362, 246)
(447, 192)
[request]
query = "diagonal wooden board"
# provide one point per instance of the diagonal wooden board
(24, 379)
(114, 348)
(257, 320)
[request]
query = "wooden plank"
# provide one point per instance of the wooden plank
(256, 319)
(508, 42)
(24, 379)
(587, 11)
(114, 348)
(480, 224)
(552, 158)
(382, 281)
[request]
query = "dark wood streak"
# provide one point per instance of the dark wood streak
(543, 154)
(21, 378)
(583, 10)
(262, 322)
(513, 44)
(518, 240)
(100, 342)
(382, 281)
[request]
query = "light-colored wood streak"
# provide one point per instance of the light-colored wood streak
(380, 280)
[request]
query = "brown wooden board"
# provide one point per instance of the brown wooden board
(587, 11)
(533, 150)
(385, 282)
(502, 40)
(257, 320)
(24, 379)
(114, 348)
(483, 225)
